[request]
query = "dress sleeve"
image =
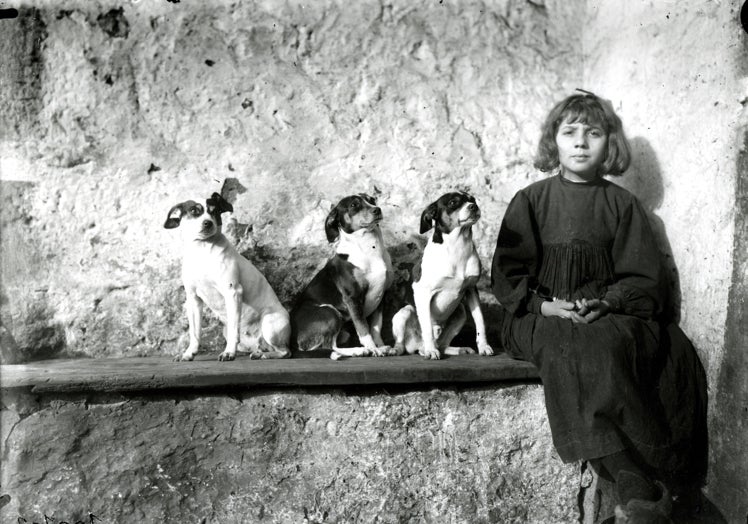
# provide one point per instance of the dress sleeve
(517, 258)
(636, 264)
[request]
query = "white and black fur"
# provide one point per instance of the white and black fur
(350, 287)
(215, 273)
(446, 286)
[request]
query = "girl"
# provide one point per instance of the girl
(577, 272)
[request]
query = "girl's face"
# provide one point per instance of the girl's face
(581, 150)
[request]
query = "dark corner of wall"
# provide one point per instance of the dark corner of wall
(730, 402)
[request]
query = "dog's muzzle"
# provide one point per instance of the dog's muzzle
(208, 227)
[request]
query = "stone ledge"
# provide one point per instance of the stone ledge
(156, 373)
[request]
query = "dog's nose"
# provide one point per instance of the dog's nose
(473, 207)
(207, 224)
(377, 211)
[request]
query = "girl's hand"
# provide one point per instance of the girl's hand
(589, 310)
(557, 308)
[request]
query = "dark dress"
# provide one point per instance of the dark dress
(626, 380)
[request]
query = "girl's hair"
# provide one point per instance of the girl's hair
(586, 108)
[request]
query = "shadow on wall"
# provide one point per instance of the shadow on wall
(644, 179)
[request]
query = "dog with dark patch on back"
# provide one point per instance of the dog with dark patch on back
(350, 287)
(215, 273)
(446, 285)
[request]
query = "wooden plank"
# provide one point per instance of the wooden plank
(154, 373)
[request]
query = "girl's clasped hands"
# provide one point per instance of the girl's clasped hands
(582, 311)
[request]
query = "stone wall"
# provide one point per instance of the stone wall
(676, 74)
(467, 455)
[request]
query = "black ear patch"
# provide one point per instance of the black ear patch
(428, 216)
(429, 219)
(217, 205)
(332, 225)
(174, 218)
(437, 236)
(368, 199)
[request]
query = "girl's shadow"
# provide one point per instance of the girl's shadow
(644, 179)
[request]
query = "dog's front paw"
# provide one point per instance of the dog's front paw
(382, 351)
(226, 356)
(257, 355)
(398, 350)
(459, 350)
(184, 357)
(485, 350)
(431, 354)
(363, 352)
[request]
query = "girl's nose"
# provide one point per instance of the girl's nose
(580, 140)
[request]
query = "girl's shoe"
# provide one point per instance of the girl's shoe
(640, 511)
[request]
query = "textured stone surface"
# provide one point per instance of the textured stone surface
(454, 455)
(128, 108)
(676, 73)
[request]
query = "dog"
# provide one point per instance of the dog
(350, 286)
(450, 268)
(215, 273)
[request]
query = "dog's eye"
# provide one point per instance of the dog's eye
(196, 211)
(354, 204)
(454, 203)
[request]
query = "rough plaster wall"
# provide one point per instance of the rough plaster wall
(673, 71)
(142, 105)
(448, 455)
(681, 111)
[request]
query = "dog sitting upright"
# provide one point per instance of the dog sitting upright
(449, 271)
(350, 286)
(214, 272)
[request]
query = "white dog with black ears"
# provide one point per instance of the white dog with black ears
(215, 273)
(449, 271)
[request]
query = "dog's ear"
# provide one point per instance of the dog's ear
(368, 198)
(175, 216)
(427, 217)
(219, 204)
(332, 225)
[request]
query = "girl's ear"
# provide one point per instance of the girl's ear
(174, 217)
(332, 225)
(427, 217)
